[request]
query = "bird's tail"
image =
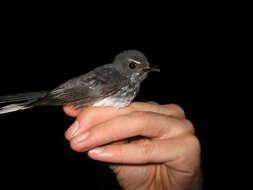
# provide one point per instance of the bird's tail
(21, 101)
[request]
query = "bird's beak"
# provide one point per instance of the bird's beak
(153, 68)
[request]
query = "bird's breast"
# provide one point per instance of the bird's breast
(121, 99)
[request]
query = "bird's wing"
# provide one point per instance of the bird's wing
(86, 89)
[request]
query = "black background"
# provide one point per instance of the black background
(205, 68)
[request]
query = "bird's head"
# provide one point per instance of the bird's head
(133, 64)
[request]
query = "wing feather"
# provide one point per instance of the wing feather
(86, 89)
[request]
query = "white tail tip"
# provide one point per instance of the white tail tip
(12, 108)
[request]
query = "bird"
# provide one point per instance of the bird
(115, 84)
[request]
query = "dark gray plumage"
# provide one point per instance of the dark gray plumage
(114, 84)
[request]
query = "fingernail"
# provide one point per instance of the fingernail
(73, 129)
(101, 152)
(97, 150)
(81, 137)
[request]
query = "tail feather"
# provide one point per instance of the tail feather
(22, 97)
(13, 107)
(26, 98)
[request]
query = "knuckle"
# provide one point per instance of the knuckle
(191, 150)
(121, 153)
(137, 115)
(66, 135)
(177, 109)
(139, 118)
(183, 126)
(188, 125)
(86, 115)
(147, 149)
(75, 146)
(139, 121)
(194, 143)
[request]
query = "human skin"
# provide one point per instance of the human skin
(151, 146)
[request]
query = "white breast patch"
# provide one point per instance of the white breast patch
(112, 101)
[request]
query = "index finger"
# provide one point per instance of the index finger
(91, 116)
(96, 115)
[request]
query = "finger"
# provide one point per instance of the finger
(116, 167)
(174, 109)
(91, 116)
(168, 109)
(145, 124)
(149, 151)
(71, 110)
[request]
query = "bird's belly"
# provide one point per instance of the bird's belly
(121, 99)
(116, 102)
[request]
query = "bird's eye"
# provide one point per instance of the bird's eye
(132, 65)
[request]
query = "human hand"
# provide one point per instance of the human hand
(166, 154)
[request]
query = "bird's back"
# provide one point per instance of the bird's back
(86, 89)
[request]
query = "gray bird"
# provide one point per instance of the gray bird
(114, 84)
